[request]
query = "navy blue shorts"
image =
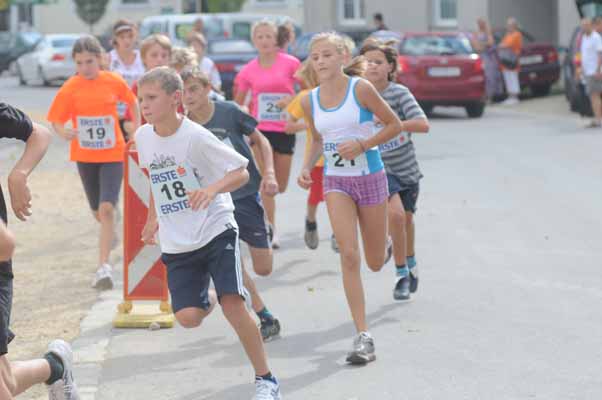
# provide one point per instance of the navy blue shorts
(6, 301)
(408, 194)
(251, 221)
(189, 274)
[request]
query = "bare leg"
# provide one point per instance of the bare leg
(192, 317)
(239, 318)
(373, 224)
(15, 378)
(342, 211)
(397, 229)
(411, 234)
(258, 304)
(596, 106)
(312, 211)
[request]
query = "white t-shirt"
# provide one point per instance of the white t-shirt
(209, 68)
(190, 159)
(591, 46)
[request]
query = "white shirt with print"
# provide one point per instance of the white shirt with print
(210, 159)
(591, 47)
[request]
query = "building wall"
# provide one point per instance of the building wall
(538, 17)
(568, 19)
(62, 18)
(290, 8)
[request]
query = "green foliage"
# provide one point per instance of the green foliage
(225, 5)
(90, 11)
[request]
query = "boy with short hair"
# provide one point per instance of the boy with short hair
(191, 174)
(234, 127)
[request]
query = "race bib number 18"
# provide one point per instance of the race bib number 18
(96, 133)
(267, 108)
(170, 187)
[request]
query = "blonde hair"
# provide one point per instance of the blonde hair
(345, 47)
(183, 57)
(197, 37)
(167, 78)
(197, 74)
(307, 74)
(267, 23)
(155, 39)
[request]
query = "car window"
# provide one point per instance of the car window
(230, 46)
(434, 45)
(213, 27)
(63, 42)
(150, 28)
(241, 30)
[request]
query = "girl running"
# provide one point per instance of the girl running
(270, 78)
(342, 111)
(89, 100)
(399, 157)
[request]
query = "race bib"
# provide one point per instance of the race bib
(400, 140)
(267, 108)
(96, 133)
(337, 165)
(170, 187)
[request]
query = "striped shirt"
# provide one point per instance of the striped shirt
(399, 155)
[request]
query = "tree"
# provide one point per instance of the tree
(90, 11)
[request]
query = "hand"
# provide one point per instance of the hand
(304, 180)
(291, 128)
(200, 199)
(269, 185)
(70, 134)
(150, 230)
(20, 196)
(350, 150)
(283, 102)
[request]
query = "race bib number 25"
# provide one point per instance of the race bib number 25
(170, 187)
(267, 108)
(96, 133)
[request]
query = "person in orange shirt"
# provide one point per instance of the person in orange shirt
(513, 41)
(89, 100)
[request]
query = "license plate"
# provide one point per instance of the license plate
(438, 72)
(529, 60)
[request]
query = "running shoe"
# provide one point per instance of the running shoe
(311, 235)
(103, 279)
(389, 252)
(402, 288)
(413, 280)
(363, 350)
(333, 244)
(266, 389)
(270, 330)
(65, 388)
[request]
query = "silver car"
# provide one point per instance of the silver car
(49, 61)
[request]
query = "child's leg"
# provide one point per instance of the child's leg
(343, 218)
(20, 376)
(312, 210)
(373, 225)
(397, 231)
(106, 217)
(110, 178)
(233, 307)
(258, 304)
(192, 317)
(411, 232)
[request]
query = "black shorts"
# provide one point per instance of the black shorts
(281, 142)
(251, 221)
(189, 274)
(102, 182)
(408, 194)
(6, 301)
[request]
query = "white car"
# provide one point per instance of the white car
(49, 61)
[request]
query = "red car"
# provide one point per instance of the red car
(442, 69)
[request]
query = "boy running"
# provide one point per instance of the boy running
(191, 174)
(232, 126)
(54, 368)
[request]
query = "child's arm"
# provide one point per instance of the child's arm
(200, 199)
(63, 131)
(292, 127)
(269, 185)
(152, 224)
(418, 125)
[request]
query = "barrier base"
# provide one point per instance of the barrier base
(141, 316)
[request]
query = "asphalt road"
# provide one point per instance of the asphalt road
(510, 298)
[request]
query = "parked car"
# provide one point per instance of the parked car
(50, 60)
(13, 45)
(229, 56)
(539, 66)
(300, 48)
(442, 69)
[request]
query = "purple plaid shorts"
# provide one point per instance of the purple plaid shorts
(365, 190)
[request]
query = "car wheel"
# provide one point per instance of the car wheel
(45, 81)
(475, 110)
(540, 90)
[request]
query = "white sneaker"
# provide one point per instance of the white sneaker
(510, 101)
(65, 388)
(103, 279)
(266, 390)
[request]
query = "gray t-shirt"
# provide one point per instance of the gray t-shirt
(399, 155)
(230, 124)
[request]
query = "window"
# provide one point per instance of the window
(351, 12)
(446, 13)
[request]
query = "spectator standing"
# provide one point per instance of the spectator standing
(509, 53)
(591, 65)
(379, 22)
(199, 44)
(483, 42)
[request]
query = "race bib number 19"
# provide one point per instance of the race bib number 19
(96, 133)
(267, 108)
(170, 187)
